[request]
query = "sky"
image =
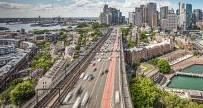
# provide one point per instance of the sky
(77, 8)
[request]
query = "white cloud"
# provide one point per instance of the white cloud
(79, 8)
(6, 5)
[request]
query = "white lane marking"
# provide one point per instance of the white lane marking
(93, 90)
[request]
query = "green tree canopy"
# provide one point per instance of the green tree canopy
(144, 37)
(22, 92)
(81, 25)
(125, 31)
(144, 93)
(164, 66)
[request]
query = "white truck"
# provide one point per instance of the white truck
(77, 103)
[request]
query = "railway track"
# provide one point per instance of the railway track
(55, 96)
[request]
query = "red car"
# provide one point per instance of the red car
(94, 64)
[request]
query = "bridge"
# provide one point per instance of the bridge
(96, 80)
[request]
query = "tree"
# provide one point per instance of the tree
(131, 44)
(144, 37)
(125, 31)
(144, 93)
(82, 25)
(22, 92)
(154, 61)
(164, 66)
(40, 31)
(61, 33)
(195, 53)
(77, 48)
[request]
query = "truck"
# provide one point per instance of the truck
(77, 103)
(85, 99)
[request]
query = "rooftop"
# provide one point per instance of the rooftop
(165, 42)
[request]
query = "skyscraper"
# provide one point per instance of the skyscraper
(152, 14)
(138, 16)
(182, 15)
(163, 12)
(171, 22)
(188, 16)
(111, 16)
(131, 18)
(144, 14)
(197, 15)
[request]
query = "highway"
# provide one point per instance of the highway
(56, 94)
(103, 87)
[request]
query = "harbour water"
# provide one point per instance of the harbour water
(28, 27)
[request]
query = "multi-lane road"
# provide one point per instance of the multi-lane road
(99, 85)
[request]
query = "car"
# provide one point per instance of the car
(94, 64)
(86, 77)
(82, 75)
(102, 74)
(106, 71)
(99, 60)
(95, 69)
(90, 77)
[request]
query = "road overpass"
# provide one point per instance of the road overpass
(99, 81)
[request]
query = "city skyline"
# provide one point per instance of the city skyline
(82, 8)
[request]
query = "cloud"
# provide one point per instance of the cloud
(6, 5)
(44, 7)
(73, 8)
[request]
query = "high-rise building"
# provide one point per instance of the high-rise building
(138, 16)
(111, 16)
(182, 15)
(152, 14)
(106, 18)
(163, 12)
(197, 15)
(163, 23)
(177, 12)
(188, 16)
(144, 14)
(171, 22)
(131, 18)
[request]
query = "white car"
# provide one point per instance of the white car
(99, 60)
(90, 77)
(86, 77)
(82, 75)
